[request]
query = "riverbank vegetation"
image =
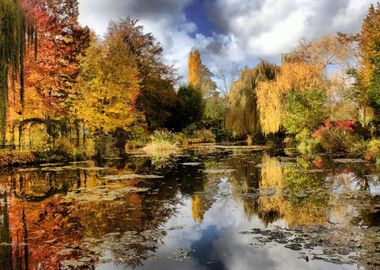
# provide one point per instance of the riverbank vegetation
(67, 94)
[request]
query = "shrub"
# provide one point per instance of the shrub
(372, 152)
(205, 135)
(9, 158)
(304, 110)
(189, 108)
(342, 137)
(137, 137)
(309, 146)
(337, 139)
(162, 143)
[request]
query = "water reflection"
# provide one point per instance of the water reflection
(208, 209)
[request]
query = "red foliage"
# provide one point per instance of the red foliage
(348, 125)
(61, 40)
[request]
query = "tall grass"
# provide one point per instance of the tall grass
(162, 143)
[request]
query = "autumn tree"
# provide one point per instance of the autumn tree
(333, 50)
(367, 77)
(369, 44)
(199, 76)
(243, 115)
(51, 63)
(108, 86)
(271, 96)
(157, 95)
(61, 41)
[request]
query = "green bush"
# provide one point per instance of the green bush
(338, 140)
(304, 110)
(137, 137)
(372, 152)
(189, 108)
(309, 146)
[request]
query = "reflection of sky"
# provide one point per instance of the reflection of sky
(216, 244)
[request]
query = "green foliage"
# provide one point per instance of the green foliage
(338, 140)
(164, 135)
(304, 110)
(309, 146)
(189, 108)
(204, 136)
(374, 90)
(13, 31)
(105, 146)
(137, 136)
(216, 107)
(373, 150)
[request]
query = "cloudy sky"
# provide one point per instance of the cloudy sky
(229, 32)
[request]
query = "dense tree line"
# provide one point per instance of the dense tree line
(60, 81)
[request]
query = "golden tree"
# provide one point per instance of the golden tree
(199, 76)
(108, 86)
(271, 94)
(369, 44)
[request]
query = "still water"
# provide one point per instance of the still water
(213, 208)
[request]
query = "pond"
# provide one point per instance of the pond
(211, 207)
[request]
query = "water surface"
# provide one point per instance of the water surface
(210, 208)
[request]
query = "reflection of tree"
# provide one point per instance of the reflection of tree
(244, 181)
(203, 201)
(54, 213)
(274, 190)
(129, 225)
(5, 237)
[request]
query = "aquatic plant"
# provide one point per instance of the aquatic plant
(162, 143)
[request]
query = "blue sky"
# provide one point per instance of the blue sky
(229, 32)
(196, 12)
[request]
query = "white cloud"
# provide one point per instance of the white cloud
(247, 29)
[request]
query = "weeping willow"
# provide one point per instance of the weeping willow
(15, 31)
(242, 116)
(271, 94)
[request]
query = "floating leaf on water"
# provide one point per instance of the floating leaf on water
(52, 164)
(181, 254)
(131, 176)
(219, 171)
(348, 160)
(65, 251)
(191, 163)
(28, 169)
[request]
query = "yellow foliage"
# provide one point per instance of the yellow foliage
(242, 115)
(369, 44)
(197, 208)
(199, 76)
(270, 94)
(108, 86)
(194, 76)
(271, 173)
